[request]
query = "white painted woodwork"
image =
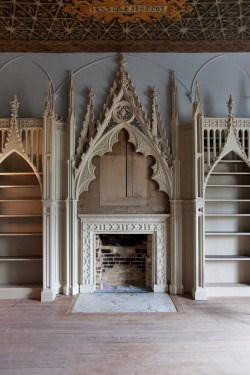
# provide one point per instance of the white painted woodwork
(21, 208)
(201, 247)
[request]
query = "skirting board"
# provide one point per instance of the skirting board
(20, 292)
(228, 291)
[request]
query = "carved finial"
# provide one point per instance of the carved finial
(230, 105)
(174, 78)
(49, 104)
(71, 92)
(197, 105)
(14, 107)
(91, 94)
(197, 93)
(154, 94)
(14, 112)
(49, 93)
(123, 60)
(123, 77)
(88, 127)
(174, 97)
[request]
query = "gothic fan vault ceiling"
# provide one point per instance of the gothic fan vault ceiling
(44, 26)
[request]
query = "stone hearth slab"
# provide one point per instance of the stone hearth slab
(123, 303)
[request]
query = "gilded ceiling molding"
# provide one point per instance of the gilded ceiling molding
(147, 10)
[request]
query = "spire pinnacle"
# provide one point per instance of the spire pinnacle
(49, 104)
(123, 61)
(14, 107)
(230, 105)
(197, 105)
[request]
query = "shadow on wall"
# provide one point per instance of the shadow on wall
(29, 81)
(220, 77)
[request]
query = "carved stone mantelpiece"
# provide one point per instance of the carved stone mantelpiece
(119, 224)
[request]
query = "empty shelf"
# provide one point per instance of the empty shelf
(227, 257)
(18, 173)
(228, 186)
(20, 258)
(227, 233)
(229, 215)
(22, 234)
(230, 173)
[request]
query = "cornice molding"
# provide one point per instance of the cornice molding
(67, 46)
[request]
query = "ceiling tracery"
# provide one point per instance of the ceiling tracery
(45, 25)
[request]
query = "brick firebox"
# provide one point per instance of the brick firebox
(124, 259)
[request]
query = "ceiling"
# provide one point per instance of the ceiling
(44, 26)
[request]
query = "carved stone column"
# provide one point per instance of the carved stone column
(50, 289)
(71, 285)
(176, 286)
(199, 291)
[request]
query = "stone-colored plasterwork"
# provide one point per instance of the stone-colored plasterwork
(30, 123)
(242, 123)
(185, 126)
(17, 138)
(60, 126)
(123, 110)
(5, 123)
(210, 123)
(231, 141)
(96, 224)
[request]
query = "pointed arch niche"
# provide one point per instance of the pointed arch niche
(123, 182)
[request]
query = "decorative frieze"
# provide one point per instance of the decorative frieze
(30, 123)
(60, 126)
(5, 123)
(210, 123)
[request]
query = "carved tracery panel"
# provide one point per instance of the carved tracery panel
(123, 110)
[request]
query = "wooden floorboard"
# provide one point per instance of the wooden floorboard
(205, 338)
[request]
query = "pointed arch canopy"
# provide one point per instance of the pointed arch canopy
(14, 142)
(86, 172)
(232, 144)
(123, 110)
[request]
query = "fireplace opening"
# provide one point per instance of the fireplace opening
(123, 263)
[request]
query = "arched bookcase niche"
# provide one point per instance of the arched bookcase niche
(21, 213)
(227, 226)
(21, 240)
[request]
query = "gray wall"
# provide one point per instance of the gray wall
(219, 75)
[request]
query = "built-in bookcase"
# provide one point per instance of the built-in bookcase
(21, 231)
(227, 228)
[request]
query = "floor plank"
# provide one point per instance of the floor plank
(206, 337)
